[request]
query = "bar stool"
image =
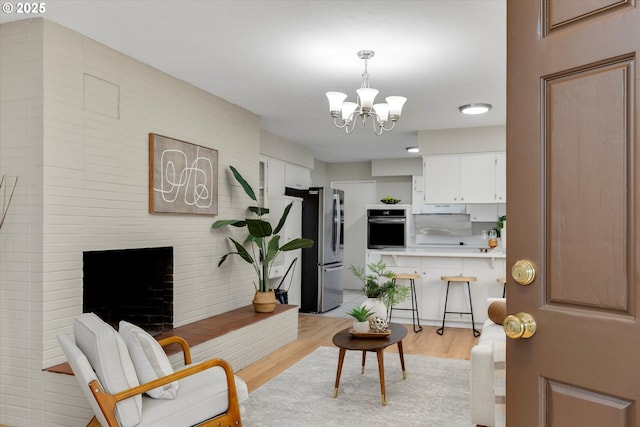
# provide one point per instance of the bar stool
(503, 280)
(414, 300)
(458, 279)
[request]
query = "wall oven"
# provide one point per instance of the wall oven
(386, 228)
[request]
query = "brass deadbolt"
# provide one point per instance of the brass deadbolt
(523, 272)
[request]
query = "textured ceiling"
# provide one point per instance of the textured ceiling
(278, 58)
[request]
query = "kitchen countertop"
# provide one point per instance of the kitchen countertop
(439, 251)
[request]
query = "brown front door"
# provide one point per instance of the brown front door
(573, 189)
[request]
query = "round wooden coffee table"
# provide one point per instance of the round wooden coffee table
(345, 341)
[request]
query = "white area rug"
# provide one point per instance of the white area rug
(435, 393)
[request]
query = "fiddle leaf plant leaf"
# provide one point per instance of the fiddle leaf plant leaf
(259, 211)
(299, 243)
(233, 222)
(243, 182)
(272, 248)
(283, 218)
(259, 228)
(241, 251)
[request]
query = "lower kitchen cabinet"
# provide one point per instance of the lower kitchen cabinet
(431, 290)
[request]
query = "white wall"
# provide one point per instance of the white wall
(395, 186)
(82, 162)
(463, 140)
(280, 148)
(319, 174)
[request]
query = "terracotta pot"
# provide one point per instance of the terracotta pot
(264, 302)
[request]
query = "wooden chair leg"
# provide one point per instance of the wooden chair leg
(94, 423)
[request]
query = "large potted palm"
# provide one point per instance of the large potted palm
(263, 242)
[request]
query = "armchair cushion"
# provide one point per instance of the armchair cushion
(107, 354)
(149, 359)
(205, 394)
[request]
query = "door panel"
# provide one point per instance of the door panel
(563, 12)
(587, 148)
(574, 194)
(569, 406)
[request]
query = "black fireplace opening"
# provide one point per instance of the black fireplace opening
(135, 285)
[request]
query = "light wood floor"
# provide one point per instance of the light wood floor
(315, 331)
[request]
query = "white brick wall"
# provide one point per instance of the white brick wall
(83, 185)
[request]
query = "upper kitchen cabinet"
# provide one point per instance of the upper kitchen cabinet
(280, 174)
(296, 176)
(464, 178)
(501, 177)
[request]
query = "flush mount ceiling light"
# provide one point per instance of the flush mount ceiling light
(413, 149)
(474, 108)
(345, 113)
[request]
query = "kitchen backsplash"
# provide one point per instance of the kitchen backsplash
(442, 225)
(448, 229)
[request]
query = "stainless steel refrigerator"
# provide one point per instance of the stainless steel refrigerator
(322, 265)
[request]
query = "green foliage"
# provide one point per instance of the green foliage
(500, 224)
(262, 239)
(380, 284)
(360, 313)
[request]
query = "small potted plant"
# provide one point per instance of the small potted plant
(380, 288)
(361, 315)
(264, 244)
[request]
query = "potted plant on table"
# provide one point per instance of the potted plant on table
(264, 244)
(361, 315)
(381, 289)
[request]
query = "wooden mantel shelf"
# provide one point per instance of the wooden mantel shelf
(204, 330)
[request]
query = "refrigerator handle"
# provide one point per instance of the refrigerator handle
(336, 223)
(337, 267)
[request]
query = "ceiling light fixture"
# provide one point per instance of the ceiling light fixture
(413, 149)
(473, 109)
(345, 113)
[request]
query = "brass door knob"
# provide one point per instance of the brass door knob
(523, 272)
(521, 325)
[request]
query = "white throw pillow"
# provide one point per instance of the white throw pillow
(149, 359)
(109, 358)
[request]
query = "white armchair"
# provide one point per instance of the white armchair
(205, 394)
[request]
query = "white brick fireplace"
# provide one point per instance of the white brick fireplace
(75, 118)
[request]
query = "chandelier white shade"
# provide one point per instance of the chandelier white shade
(383, 116)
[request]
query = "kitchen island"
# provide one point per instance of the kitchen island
(433, 262)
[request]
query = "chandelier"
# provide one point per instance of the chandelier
(345, 113)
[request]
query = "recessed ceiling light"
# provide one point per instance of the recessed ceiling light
(474, 108)
(413, 149)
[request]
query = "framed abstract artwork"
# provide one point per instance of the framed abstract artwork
(183, 177)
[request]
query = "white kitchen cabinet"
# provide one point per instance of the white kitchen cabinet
(406, 265)
(483, 212)
(431, 290)
(279, 174)
(441, 179)
(463, 178)
(501, 177)
(418, 205)
(296, 176)
(271, 178)
(477, 178)
(417, 194)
